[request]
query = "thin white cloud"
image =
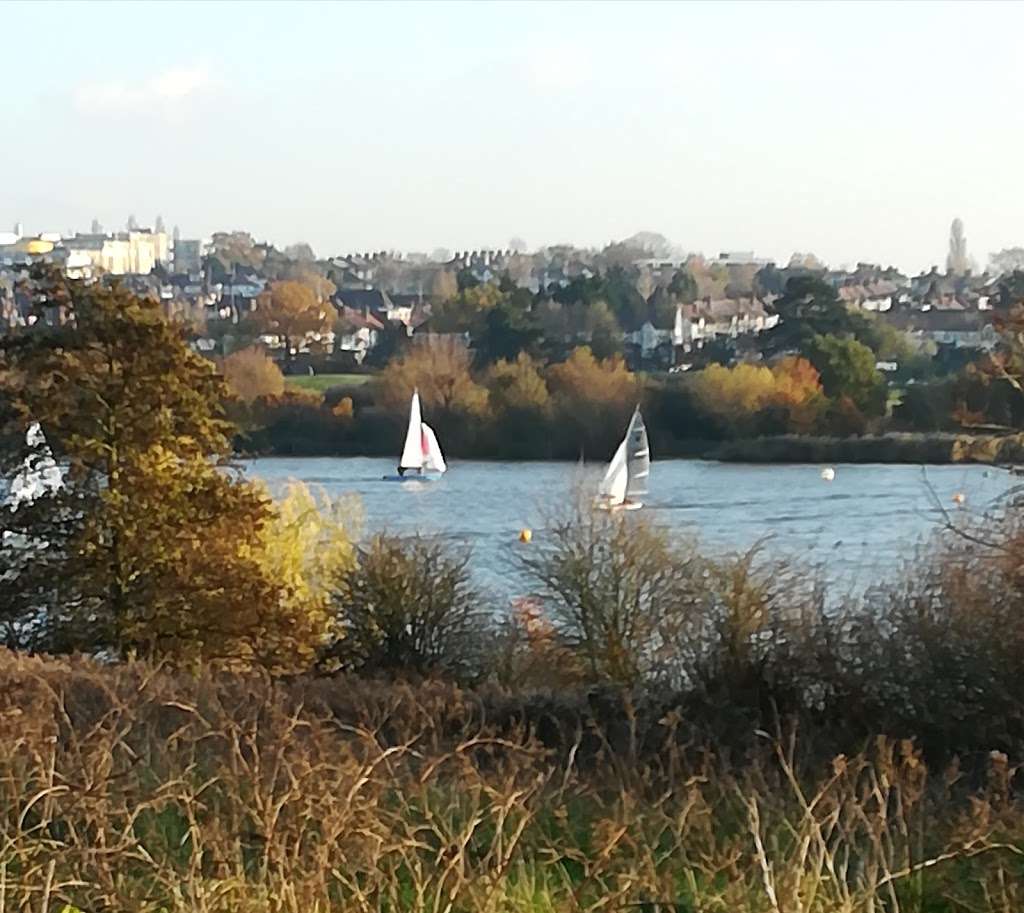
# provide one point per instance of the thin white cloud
(168, 88)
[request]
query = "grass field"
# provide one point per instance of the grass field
(319, 383)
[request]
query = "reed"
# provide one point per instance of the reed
(136, 788)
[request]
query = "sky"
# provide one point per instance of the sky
(856, 131)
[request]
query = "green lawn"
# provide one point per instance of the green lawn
(319, 383)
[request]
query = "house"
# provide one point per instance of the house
(356, 332)
(735, 317)
(877, 296)
(690, 329)
(726, 319)
(741, 258)
(373, 300)
(410, 311)
(648, 344)
(955, 329)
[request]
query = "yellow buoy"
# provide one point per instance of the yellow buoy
(959, 499)
(525, 535)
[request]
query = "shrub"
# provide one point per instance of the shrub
(407, 606)
(250, 373)
(612, 586)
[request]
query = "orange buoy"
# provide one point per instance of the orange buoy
(525, 535)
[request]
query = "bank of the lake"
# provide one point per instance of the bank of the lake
(936, 449)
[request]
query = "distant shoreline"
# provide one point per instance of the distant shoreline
(935, 449)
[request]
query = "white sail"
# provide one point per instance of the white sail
(39, 475)
(413, 451)
(613, 486)
(433, 458)
(638, 457)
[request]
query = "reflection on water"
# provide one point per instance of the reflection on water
(856, 529)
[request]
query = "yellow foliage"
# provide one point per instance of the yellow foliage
(737, 394)
(307, 545)
(593, 399)
(734, 393)
(582, 377)
(517, 385)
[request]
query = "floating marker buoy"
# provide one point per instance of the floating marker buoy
(959, 499)
(828, 473)
(525, 535)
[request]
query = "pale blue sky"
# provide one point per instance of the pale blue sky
(857, 131)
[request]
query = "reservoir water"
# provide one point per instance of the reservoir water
(856, 530)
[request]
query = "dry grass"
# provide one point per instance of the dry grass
(138, 789)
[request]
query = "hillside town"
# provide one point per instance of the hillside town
(662, 309)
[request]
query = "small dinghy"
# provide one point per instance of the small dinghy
(39, 475)
(625, 481)
(422, 460)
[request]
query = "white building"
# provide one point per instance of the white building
(136, 251)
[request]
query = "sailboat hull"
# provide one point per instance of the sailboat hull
(600, 504)
(413, 477)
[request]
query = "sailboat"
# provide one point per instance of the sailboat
(39, 474)
(625, 480)
(421, 456)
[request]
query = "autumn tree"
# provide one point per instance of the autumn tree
(593, 401)
(292, 310)
(798, 397)
(250, 373)
(151, 544)
(441, 370)
(754, 399)
(521, 406)
(305, 548)
(734, 396)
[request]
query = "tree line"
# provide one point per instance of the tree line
(509, 394)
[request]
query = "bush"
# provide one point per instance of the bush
(251, 373)
(407, 606)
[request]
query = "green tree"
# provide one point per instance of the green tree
(465, 279)
(683, 286)
(810, 307)
(506, 331)
(847, 370)
(151, 545)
